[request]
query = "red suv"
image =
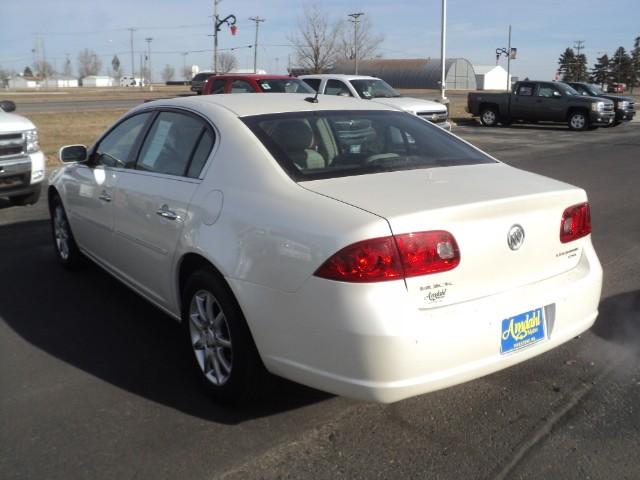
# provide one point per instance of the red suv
(230, 83)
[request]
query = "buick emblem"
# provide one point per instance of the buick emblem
(515, 237)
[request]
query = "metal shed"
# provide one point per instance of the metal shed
(415, 73)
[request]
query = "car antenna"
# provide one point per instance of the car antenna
(313, 99)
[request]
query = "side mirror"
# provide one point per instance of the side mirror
(73, 154)
(556, 94)
(8, 106)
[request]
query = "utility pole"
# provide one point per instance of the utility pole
(255, 45)
(149, 40)
(215, 35)
(443, 37)
(133, 68)
(509, 62)
(355, 19)
(578, 45)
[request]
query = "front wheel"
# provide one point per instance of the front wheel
(67, 251)
(489, 117)
(223, 353)
(578, 121)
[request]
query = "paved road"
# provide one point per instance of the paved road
(93, 386)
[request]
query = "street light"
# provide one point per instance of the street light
(355, 19)
(230, 20)
(510, 53)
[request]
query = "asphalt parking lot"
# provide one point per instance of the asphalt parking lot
(92, 384)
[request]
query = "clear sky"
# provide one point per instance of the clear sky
(542, 29)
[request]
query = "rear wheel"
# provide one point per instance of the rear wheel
(489, 116)
(578, 121)
(67, 251)
(223, 354)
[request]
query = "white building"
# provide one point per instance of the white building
(98, 81)
(18, 82)
(491, 77)
(60, 82)
(129, 81)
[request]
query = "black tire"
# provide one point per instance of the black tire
(229, 374)
(26, 199)
(578, 120)
(64, 244)
(489, 116)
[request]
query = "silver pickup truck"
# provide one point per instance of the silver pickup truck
(22, 163)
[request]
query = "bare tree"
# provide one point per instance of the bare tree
(88, 63)
(115, 67)
(168, 73)
(44, 69)
(187, 74)
(368, 43)
(226, 62)
(317, 40)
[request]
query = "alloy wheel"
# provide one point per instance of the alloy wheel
(210, 337)
(61, 232)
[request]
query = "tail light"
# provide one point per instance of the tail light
(576, 222)
(393, 258)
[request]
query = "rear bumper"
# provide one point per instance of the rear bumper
(370, 342)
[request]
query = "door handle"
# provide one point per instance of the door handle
(165, 212)
(104, 196)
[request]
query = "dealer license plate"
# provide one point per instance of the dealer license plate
(522, 330)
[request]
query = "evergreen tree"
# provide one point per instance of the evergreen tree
(600, 71)
(635, 65)
(620, 66)
(580, 73)
(566, 64)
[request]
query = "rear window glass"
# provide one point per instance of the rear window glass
(327, 144)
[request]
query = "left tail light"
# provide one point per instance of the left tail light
(393, 258)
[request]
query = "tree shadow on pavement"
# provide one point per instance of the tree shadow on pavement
(93, 322)
(619, 320)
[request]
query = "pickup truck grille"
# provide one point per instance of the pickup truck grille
(608, 107)
(434, 117)
(11, 145)
(632, 107)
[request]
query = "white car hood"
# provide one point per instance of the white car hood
(411, 105)
(10, 122)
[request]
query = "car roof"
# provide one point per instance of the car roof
(341, 76)
(255, 76)
(247, 104)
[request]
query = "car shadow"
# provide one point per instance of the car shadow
(93, 322)
(619, 320)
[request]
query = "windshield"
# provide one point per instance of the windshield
(328, 144)
(374, 88)
(284, 85)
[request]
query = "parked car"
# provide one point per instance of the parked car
(341, 244)
(625, 107)
(22, 163)
(378, 91)
(616, 87)
(197, 82)
(254, 83)
(533, 101)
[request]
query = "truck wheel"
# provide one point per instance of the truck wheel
(489, 117)
(28, 199)
(578, 121)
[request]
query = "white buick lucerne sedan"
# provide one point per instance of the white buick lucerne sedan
(341, 244)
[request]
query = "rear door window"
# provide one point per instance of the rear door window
(525, 89)
(177, 144)
(242, 86)
(313, 83)
(218, 86)
(337, 87)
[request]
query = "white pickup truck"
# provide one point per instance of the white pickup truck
(377, 90)
(22, 165)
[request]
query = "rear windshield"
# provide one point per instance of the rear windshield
(284, 85)
(374, 88)
(328, 144)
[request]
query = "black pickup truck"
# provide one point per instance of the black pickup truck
(624, 106)
(534, 101)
